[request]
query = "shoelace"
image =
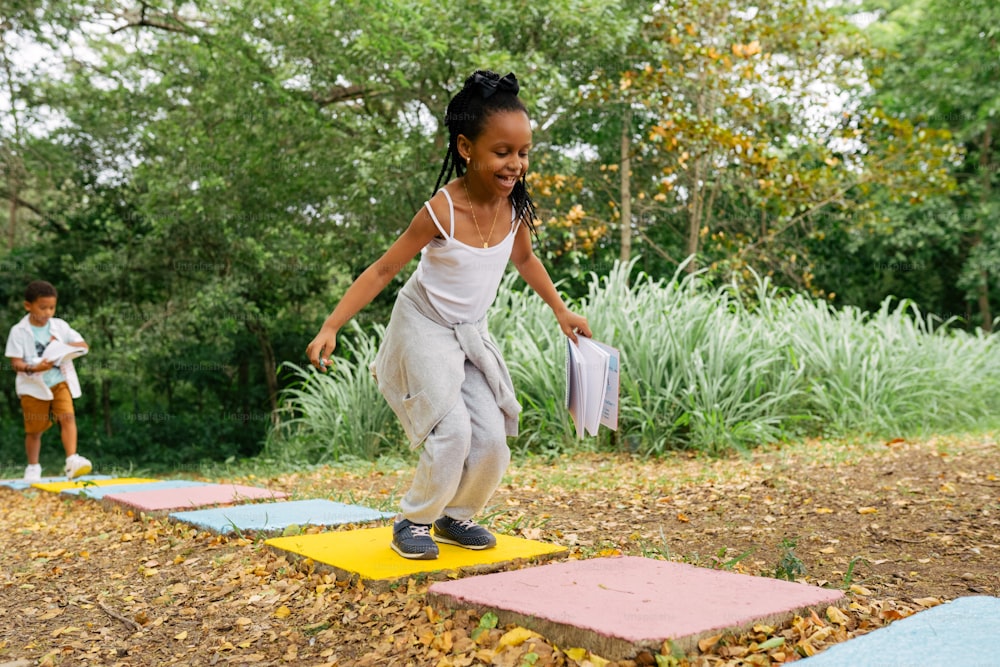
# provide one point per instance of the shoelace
(467, 524)
(419, 530)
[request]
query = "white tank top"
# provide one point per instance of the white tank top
(461, 281)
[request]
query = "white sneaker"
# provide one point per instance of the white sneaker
(33, 473)
(76, 466)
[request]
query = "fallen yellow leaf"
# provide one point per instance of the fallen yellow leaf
(823, 510)
(927, 602)
(836, 616)
(867, 510)
(432, 615)
(516, 637)
(704, 645)
(282, 612)
(822, 634)
(181, 636)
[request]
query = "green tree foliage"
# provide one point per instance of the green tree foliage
(224, 171)
(203, 179)
(937, 66)
(738, 152)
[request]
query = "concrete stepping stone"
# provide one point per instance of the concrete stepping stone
(616, 607)
(98, 492)
(164, 500)
(276, 517)
(366, 554)
(965, 631)
(21, 485)
(59, 487)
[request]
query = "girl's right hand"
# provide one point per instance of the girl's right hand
(321, 347)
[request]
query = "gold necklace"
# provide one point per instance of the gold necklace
(486, 243)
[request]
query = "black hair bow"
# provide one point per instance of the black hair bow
(491, 82)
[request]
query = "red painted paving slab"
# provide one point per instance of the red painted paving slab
(158, 500)
(615, 607)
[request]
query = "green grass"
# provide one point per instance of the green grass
(328, 416)
(712, 370)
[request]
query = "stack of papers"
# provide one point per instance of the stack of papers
(592, 385)
(57, 352)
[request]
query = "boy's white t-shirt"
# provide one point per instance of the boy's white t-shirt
(21, 345)
(43, 335)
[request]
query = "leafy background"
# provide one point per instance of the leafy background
(202, 180)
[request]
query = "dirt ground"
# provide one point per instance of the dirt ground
(900, 526)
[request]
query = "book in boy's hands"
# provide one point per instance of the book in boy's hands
(592, 385)
(57, 352)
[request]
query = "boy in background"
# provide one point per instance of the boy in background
(45, 389)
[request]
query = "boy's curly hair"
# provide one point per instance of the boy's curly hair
(36, 289)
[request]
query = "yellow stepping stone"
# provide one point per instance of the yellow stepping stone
(56, 487)
(366, 553)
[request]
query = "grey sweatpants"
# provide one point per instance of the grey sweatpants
(463, 459)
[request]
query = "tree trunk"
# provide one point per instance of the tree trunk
(984, 197)
(12, 225)
(106, 405)
(243, 381)
(270, 366)
(694, 216)
(626, 186)
(695, 193)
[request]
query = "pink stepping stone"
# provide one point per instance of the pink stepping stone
(159, 500)
(616, 607)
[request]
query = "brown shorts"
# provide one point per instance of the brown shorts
(39, 414)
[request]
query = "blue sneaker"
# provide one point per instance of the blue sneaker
(467, 534)
(413, 540)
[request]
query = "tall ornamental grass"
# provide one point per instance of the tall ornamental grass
(709, 369)
(325, 417)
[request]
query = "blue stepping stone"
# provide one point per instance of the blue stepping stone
(98, 492)
(276, 517)
(21, 485)
(963, 632)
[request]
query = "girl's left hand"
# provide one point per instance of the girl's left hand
(573, 324)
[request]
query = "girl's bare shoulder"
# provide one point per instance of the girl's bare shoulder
(440, 205)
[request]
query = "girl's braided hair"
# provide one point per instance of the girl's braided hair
(484, 94)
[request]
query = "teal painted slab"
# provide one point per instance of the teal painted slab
(276, 517)
(963, 632)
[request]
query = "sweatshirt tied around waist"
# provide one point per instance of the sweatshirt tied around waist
(420, 365)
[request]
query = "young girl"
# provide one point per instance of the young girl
(438, 368)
